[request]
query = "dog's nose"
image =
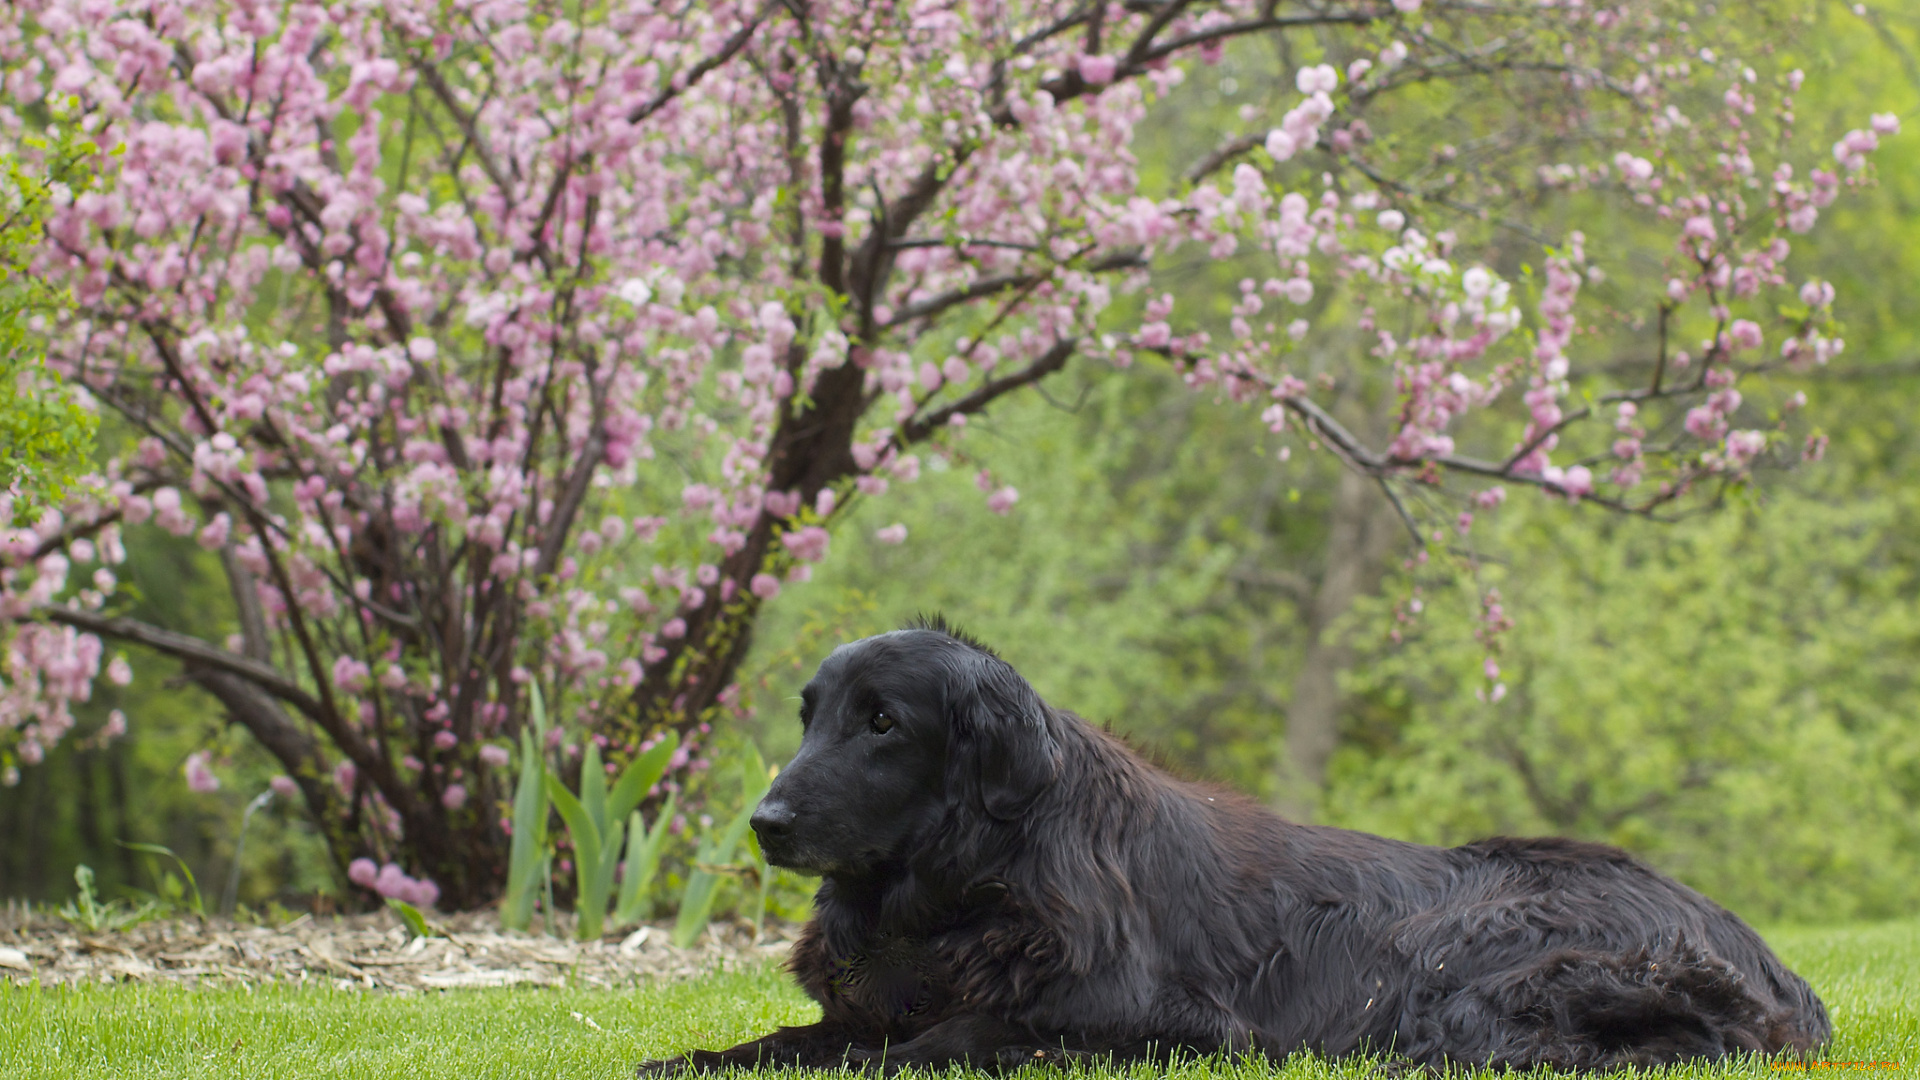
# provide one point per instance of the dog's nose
(772, 820)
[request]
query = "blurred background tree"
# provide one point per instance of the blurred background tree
(1163, 580)
(1160, 575)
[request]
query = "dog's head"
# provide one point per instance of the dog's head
(901, 731)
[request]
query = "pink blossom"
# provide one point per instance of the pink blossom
(119, 672)
(169, 513)
(363, 872)
(1885, 124)
(1745, 334)
(891, 534)
(1318, 79)
(782, 504)
(495, 756)
(1743, 446)
(393, 883)
(1001, 501)
(454, 797)
(1705, 423)
(807, 544)
(350, 673)
(445, 740)
(284, 787)
(200, 777)
(765, 586)
(421, 894)
(214, 536)
(1816, 293)
(1700, 227)
(1098, 70)
(696, 497)
(1633, 168)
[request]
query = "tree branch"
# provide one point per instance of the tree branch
(933, 305)
(194, 651)
(467, 127)
(257, 711)
(678, 84)
(1222, 154)
(919, 428)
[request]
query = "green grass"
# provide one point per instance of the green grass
(1868, 975)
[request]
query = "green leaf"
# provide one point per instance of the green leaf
(593, 872)
(755, 777)
(161, 849)
(639, 777)
(593, 787)
(527, 854)
(696, 903)
(643, 860)
(596, 885)
(416, 922)
(586, 836)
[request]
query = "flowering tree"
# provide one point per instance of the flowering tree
(491, 342)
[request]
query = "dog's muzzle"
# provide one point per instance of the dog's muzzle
(772, 822)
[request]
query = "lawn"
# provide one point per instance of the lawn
(1868, 975)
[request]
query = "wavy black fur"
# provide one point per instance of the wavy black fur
(1004, 883)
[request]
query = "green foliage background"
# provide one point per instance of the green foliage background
(1732, 696)
(45, 431)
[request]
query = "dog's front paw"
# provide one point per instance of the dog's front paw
(665, 1068)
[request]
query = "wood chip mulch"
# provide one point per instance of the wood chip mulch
(373, 952)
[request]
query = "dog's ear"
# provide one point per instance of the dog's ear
(1003, 756)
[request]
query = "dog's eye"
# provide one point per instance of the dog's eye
(882, 723)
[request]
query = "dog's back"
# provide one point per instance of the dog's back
(1505, 951)
(1249, 931)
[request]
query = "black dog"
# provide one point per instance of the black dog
(1005, 883)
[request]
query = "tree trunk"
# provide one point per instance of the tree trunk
(1360, 530)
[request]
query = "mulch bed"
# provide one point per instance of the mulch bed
(373, 952)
